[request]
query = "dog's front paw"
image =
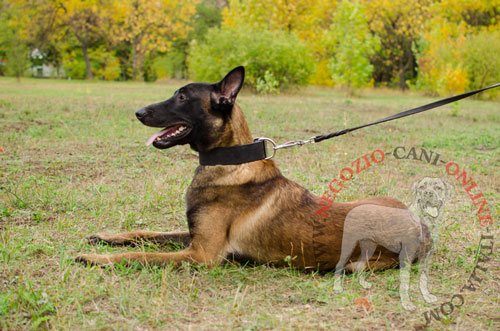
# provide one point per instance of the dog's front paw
(95, 239)
(366, 285)
(83, 259)
(337, 285)
(429, 298)
(93, 259)
(408, 305)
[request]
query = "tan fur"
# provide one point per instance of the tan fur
(252, 210)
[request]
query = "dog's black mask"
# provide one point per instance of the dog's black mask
(195, 114)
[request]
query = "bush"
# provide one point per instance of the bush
(104, 64)
(74, 64)
(272, 60)
(482, 61)
(352, 44)
(170, 65)
(460, 64)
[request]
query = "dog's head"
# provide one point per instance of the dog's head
(197, 113)
(430, 195)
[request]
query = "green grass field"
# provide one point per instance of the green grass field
(73, 162)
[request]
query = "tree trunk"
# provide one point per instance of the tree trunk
(134, 62)
(87, 62)
(404, 67)
(402, 80)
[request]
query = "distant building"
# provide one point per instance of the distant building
(43, 70)
(47, 71)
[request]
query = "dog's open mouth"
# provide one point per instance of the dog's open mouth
(431, 208)
(174, 132)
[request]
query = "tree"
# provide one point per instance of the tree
(150, 25)
(272, 59)
(455, 52)
(398, 24)
(12, 45)
(307, 19)
(88, 22)
(173, 63)
(352, 45)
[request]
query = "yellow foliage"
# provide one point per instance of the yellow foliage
(452, 81)
(442, 62)
(322, 75)
(308, 19)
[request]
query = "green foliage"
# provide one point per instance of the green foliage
(15, 52)
(352, 45)
(17, 56)
(171, 65)
(443, 47)
(105, 65)
(207, 16)
(463, 64)
(284, 58)
(74, 64)
(267, 84)
(481, 60)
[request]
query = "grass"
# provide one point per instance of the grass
(73, 162)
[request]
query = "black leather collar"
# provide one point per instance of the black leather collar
(234, 154)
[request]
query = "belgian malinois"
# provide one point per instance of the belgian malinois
(249, 209)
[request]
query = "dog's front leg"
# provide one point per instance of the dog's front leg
(406, 256)
(424, 266)
(136, 237)
(206, 247)
(191, 255)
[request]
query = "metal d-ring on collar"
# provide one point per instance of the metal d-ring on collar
(288, 144)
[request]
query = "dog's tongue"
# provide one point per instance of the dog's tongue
(156, 135)
(431, 210)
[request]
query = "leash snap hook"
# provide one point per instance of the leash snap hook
(296, 143)
(288, 144)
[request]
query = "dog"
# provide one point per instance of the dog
(250, 209)
(396, 229)
(431, 194)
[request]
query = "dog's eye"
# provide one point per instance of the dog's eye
(182, 97)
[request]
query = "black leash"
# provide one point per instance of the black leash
(417, 110)
(257, 150)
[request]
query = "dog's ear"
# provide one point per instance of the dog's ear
(415, 185)
(450, 190)
(227, 89)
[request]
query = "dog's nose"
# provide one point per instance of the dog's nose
(141, 113)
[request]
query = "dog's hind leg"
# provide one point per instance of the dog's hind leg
(368, 247)
(137, 237)
(347, 249)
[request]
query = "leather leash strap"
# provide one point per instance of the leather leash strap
(405, 113)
